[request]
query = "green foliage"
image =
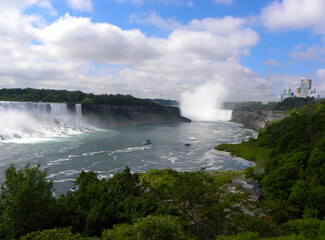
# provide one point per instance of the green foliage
(311, 228)
(57, 234)
(292, 154)
(49, 95)
(293, 103)
(26, 202)
(152, 227)
(286, 104)
(100, 204)
(241, 236)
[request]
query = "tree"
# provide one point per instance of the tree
(26, 202)
(152, 227)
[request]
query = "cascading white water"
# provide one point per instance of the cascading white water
(203, 103)
(29, 121)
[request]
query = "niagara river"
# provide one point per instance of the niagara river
(64, 144)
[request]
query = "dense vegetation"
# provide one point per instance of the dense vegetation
(47, 95)
(286, 104)
(166, 204)
(167, 102)
(291, 154)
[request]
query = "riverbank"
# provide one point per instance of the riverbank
(257, 119)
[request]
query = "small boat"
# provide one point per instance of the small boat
(187, 144)
(146, 142)
(74, 188)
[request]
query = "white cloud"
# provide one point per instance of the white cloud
(16, 4)
(227, 2)
(321, 73)
(79, 38)
(47, 5)
(72, 48)
(309, 53)
(81, 5)
(294, 14)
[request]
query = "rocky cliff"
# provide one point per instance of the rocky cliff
(106, 115)
(256, 119)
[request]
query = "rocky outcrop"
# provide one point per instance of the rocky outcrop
(256, 119)
(106, 115)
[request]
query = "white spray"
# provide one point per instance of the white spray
(29, 122)
(204, 103)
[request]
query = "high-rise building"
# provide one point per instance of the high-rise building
(303, 91)
(286, 93)
(305, 87)
(298, 90)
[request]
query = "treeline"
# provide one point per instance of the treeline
(286, 104)
(158, 204)
(166, 102)
(49, 95)
(290, 157)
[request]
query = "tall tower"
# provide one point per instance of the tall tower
(305, 87)
(298, 90)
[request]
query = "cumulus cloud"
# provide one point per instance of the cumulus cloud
(47, 5)
(70, 51)
(294, 14)
(81, 5)
(78, 38)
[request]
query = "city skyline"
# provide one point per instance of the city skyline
(304, 90)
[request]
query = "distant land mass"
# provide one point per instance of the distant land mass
(104, 110)
(50, 95)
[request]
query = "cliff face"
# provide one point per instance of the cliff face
(118, 115)
(256, 119)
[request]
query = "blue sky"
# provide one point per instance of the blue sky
(231, 50)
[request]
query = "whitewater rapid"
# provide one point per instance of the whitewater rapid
(34, 121)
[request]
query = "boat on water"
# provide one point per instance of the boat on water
(146, 142)
(74, 188)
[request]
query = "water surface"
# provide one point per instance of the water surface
(109, 151)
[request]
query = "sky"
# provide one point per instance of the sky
(233, 50)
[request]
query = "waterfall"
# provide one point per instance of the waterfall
(206, 114)
(29, 121)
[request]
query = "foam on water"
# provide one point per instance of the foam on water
(29, 122)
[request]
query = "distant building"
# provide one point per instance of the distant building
(312, 93)
(305, 87)
(298, 91)
(303, 91)
(286, 93)
(246, 185)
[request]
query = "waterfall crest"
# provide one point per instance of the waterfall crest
(206, 114)
(30, 121)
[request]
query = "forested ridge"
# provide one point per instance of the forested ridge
(166, 204)
(50, 95)
(286, 104)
